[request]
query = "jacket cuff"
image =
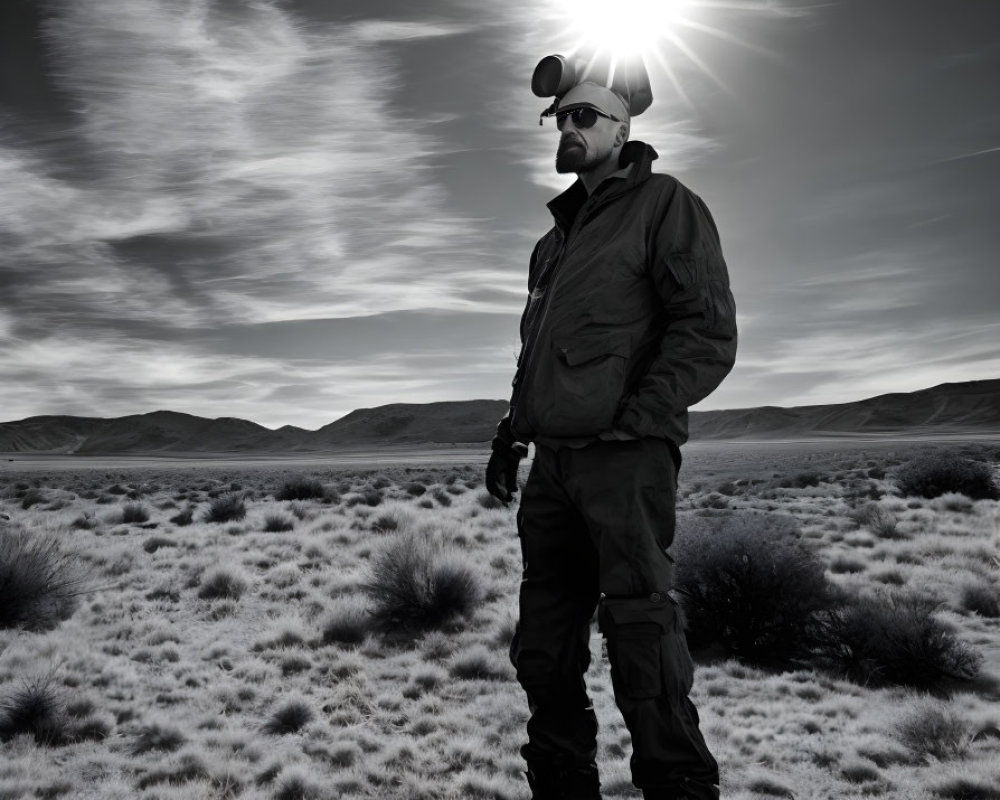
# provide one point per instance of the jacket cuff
(629, 419)
(504, 438)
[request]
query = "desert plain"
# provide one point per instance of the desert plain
(228, 629)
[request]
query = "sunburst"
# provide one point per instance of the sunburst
(653, 31)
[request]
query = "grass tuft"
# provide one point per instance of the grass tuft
(39, 583)
(278, 523)
(185, 517)
(157, 737)
(416, 585)
(226, 508)
(879, 520)
(981, 597)
(295, 786)
(348, 622)
(932, 730)
(301, 488)
(289, 718)
(478, 663)
(154, 543)
(222, 583)
(36, 709)
(134, 512)
(966, 789)
(32, 497)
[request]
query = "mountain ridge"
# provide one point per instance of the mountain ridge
(970, 407)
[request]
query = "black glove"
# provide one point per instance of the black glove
(501, 471)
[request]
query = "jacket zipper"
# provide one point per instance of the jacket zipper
(582, 218)
(529, 346)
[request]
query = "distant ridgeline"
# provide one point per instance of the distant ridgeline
(971, 408)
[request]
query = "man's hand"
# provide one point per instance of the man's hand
(501, 471)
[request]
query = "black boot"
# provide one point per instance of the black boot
(573, 783)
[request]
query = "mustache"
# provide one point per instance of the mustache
(567, 140)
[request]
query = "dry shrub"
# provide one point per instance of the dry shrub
(32, 497)
(226, 508)
(415, 584)
(878, 519)
(478, 663)
(222, 583)
(134, 512)
(369, 496)
(769, 786)
(36, 709)
(84, 522)
(894, 638)
(188, 767)
(842, 564)
(981, 597)
(348, 622)
(929, 729)
(301, 488)
(746, 582)
(39, 582)
(157, 736)
(961, 788)
(294, 785)
(936, 474)
(277, 523)
(953, 501)
(154, 543)
(185, 517)
(385, 522)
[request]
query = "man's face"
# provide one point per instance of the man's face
(582, 149)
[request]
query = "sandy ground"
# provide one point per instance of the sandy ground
(181, 689)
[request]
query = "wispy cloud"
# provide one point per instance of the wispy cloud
(252, 149)
(112, 375)
(853, 364)
(974, 154)
(393, 31)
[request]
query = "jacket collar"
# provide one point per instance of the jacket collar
(635, 160)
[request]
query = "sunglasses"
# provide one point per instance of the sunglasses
(583, 118)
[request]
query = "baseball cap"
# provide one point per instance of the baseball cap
(595, 96)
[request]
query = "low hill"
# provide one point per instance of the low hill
(971, 408)
(401, 423)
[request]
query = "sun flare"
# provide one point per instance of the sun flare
(626, 28)
(666, 35)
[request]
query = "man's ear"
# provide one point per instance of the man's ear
(622, 136)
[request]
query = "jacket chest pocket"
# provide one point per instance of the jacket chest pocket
(587, 379)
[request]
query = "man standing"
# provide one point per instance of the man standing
(629, 321)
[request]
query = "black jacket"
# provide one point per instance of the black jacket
(629, 320)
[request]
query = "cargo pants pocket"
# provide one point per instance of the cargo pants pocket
(646, 647)
(635, 656)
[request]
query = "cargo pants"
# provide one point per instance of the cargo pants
(594, 525)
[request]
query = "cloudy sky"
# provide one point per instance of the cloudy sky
(283, 211)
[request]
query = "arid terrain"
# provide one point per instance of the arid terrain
(298, 649)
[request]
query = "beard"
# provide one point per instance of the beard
(572, 156)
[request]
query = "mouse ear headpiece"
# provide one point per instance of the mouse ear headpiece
(555, 75)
